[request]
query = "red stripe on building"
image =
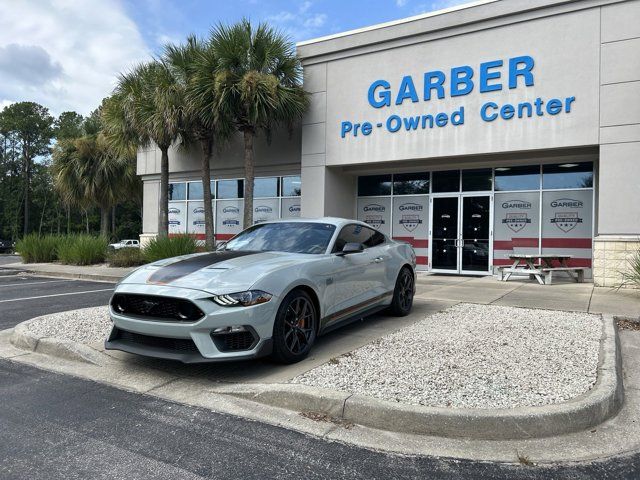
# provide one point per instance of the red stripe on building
(515, 242)
(224, 236)
(567, 243)
(414, 242)
(572, 262)
(197, 236)
(422, 260)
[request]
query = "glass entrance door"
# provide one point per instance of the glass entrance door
(475, 223)
(461, 234)
(444, 234)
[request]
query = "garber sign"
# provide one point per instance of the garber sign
(491, 76)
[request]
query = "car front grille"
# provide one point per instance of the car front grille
(228, 342)
(151, 306)
(179, 345)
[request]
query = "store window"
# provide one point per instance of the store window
(291, 186)
(448, 181)
(265, 187)
(230, 189)
(177, 191)
(567, 175)
(411, 183)
(477, 180)
(517, 178)
(374, 185)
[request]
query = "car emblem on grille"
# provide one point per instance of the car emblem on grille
(147, 305)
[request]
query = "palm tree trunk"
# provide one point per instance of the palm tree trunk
(207, 147)
(113, 220)
(68, 219)
(104, 221)
(163, 220)
(248, 177)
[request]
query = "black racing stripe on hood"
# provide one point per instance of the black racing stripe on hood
(183, 268)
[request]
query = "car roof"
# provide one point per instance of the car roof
(337, 221)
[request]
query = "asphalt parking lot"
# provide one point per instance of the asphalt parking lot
(23, 296)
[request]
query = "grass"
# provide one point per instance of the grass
(38, 249)
(160, 248)
(82, 250)
(126, 257)
(524, 460)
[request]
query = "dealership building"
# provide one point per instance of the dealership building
(472, 133)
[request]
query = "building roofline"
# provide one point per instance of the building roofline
(393, 23)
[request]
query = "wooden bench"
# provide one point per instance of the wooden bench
(543, 271)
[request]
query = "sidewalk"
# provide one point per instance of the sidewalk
(101, 273)
(569, 296)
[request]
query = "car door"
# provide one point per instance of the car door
(352, 277)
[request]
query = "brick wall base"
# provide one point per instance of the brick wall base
(611, 257)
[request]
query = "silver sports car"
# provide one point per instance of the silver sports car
(271, 290)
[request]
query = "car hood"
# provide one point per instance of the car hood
(214, 272)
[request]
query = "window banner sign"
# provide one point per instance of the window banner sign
(516, 225)
(376, 211)
(290, 207)
(177, 217)
(411, 224)
(229, 215)
(567, 225)
(265, 209)
(195, 218)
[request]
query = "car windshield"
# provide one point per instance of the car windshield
(293, 237)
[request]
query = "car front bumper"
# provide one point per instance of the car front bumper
(193, 342)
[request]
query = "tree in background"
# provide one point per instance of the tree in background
(258, 85)
(147, 108)
(88, 171)
(194, 66)
(32, 127)
(69, 125)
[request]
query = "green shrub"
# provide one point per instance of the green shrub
(82, 250)
(34, 248)
(159, 248)
(126, 257)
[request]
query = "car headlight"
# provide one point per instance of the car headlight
(242, 299)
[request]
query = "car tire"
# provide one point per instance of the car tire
(294, 330)
(403, 293)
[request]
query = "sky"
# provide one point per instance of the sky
(66, 54)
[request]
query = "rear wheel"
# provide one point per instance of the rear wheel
(403, 293)
(294, 331)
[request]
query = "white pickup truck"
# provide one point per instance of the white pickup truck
(125, 244)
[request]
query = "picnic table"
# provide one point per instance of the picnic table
(542, 271)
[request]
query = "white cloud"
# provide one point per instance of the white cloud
(65, 54)
(300, 23)
(401, 3)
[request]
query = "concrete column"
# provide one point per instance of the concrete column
(618, 229)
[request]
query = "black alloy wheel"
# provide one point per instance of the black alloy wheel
(294, 331)
(403, 293)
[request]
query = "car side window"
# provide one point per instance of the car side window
(355, 233)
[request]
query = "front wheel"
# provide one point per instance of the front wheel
(294, 330)
(403, 293)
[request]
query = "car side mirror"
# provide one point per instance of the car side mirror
(352, 247)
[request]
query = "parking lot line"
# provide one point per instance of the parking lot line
(33, 283)
(55, 295)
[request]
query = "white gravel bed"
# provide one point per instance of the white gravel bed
(474, 356)
(86, 325)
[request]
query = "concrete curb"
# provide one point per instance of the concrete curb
(98, 277)
(592, 408)
(602, 402)
(23, 338)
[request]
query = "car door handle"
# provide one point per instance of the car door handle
(378, 259)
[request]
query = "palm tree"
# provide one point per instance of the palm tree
(88, 171)
(194, 65)
(258, 82)
(147, 108)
